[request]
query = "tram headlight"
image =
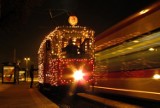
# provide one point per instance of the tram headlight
(156, 76)
(78, 75)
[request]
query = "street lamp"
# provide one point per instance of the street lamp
(26, 59)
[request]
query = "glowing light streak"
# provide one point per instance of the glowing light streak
(151, 49)
(143, 11)
(128, 90)
(156, 76)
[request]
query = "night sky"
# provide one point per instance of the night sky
(24, 23)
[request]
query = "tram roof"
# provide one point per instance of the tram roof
(74, 31)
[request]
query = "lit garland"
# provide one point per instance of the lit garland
(50, 62)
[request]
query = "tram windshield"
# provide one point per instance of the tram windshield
(76, 48)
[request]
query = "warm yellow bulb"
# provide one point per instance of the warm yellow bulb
(156, 76)
(78, 75)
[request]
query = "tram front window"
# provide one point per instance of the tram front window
(71, 50)
(76, 49)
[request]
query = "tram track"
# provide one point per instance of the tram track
(107, 102)
(87, 100)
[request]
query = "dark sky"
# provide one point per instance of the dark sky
(24, 23)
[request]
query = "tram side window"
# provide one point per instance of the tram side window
(54, 50)
(48, 45)
(84, 48)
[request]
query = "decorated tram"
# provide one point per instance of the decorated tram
(66, 56)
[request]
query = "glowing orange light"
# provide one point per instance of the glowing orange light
(156, 76)
(78, 75)
(73, 20)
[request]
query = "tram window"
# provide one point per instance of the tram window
(76, 48)
(71, 49)
(85, 48)
(48, 45)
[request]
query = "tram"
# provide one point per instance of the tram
(127, 56)
(66, 57)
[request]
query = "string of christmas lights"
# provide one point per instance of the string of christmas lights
(53, 62)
